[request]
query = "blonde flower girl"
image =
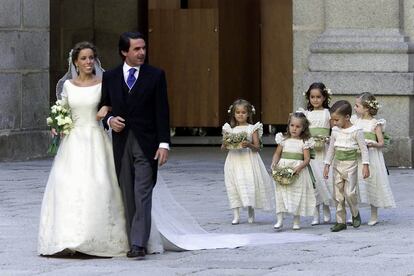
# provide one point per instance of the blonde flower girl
(377, 186)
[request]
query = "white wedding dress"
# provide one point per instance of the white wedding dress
(82, 209)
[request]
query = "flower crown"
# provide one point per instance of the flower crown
(327, 90)
(373, 104)
(231, 107)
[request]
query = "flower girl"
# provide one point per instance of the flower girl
(247, 182)
(379, 194)
(297, 196)
(318, 97)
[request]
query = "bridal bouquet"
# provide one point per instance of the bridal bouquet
(320, 141)
(233, 140)
(59, 119)
(284, 175)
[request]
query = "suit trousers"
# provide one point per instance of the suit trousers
(136, 182)
(345, 177)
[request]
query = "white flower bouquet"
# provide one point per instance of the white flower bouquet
(233, 140)
(61, 120)
(320, 142)
(284, 175)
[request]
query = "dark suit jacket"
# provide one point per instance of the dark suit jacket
(145, 110)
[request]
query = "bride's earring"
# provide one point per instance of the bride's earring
(77, 69)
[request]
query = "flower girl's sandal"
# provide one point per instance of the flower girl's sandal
(296, 223)
(326, 214)
(278, 225)
(372, 222)
(315, 221)
(316, 216)
(235, 221)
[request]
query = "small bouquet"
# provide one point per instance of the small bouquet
(320, 142)
(387, 139)
(284, 175)
(233, 140)
(59, 119)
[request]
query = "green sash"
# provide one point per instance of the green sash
(299, 156)
(346, 155)
(373, 137)
(319, 131)
(370, 136)
(292, 155)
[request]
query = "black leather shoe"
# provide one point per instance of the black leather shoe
(136, 252)
(356, 221)
(338, 227)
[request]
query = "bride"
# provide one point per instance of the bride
(82, 209)
(82, 206)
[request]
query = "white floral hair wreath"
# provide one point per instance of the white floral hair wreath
(373, 104)
(327, 90)
(231, 107)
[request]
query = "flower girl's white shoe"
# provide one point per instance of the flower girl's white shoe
(326, 214)
(316, 215)
(236, 216)
(296, 223)
(349, 219)
(374, 216)
(250, 212)
(279, 223)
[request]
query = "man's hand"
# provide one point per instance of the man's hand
(162, 156)
(117, 123)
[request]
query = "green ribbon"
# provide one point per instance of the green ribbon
(312, 153)
(370, 136)
(319, 131)
(312, 176)
(292, 155)
(346, 155)
(387, 139)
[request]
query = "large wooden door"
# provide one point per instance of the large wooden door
(277, 60)
(210, 50)
(184, 42)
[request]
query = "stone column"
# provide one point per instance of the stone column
(364, 47)
(24, 78)
(308, 24)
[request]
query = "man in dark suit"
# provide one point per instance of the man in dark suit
(137, 93)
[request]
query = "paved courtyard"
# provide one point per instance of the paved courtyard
(195, 177)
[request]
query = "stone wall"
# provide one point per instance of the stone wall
(362, 45)
(24, 78)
